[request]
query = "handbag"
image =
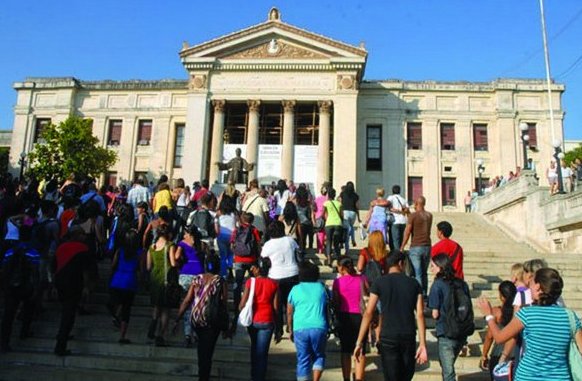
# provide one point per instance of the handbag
(503, 371)
(408, 268)
(245, 318)
(319, 224)
(390, 219)
(172, 289)
(574, 356)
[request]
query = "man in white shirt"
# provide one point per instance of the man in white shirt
(399, 207)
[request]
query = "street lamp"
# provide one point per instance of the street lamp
(559, 155)
(22, 163)
(480, 170)
(525, 140)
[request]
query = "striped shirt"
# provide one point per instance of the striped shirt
(547, 341)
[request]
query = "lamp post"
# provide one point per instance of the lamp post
(559, 155)
(525, 140)
(22, 163)
(480, 170)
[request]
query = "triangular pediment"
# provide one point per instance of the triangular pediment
(273, 39)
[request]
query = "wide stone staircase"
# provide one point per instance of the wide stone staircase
(489, 255)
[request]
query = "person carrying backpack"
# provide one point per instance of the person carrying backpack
(207, 299)
(451, 306)
(245, 246)
(20, 280)
(203, 219)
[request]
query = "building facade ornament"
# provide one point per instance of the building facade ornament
(218, 105)
(325, 107)
(197, 82)
(346, 82)
(254, 105)
(288, 106)
(275, 49)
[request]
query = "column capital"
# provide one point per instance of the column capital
(325, 107)
(218, 105)
(288, 105)
(254, 104)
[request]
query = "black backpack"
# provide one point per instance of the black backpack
(245, 244)
(203, 221)
(372, 271)
(459, 318)
(19, 272)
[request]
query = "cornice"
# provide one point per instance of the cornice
(272, 66)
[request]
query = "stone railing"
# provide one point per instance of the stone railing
(529, 214)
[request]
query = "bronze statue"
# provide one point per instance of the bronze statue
(237, 167)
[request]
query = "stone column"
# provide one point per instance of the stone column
(253, 136)
(217, 139)
(288, 140)
(324, 142)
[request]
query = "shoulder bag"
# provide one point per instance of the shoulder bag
(172, 289)
(245, 318)
(574, 356)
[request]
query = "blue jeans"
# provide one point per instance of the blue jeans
(310, 345)
(260, 334)
(448, 351)
(349, 220)
(420, 258)
(226, 255)
(185, 281)
(396, 234)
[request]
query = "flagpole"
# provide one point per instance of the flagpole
(548, 78)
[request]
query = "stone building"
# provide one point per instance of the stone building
(297, 104)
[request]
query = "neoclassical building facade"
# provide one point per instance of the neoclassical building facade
(296, 103)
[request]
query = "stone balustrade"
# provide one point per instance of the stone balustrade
(529, 214)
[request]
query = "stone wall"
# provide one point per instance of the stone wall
(528, 213)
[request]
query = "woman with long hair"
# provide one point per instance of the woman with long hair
(350, 204)
(448, 347)
(503, 315)
(160, 258)
(225, 224)
(376, 219)
(348, 297)
(123, 285)
(280, 249)
(546, 328)
(290, 218)
(204, 291)
(265, 308)
(189, 253)
(304, 211)
(282, 195)
(318, 212)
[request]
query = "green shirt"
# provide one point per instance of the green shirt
(333, 208)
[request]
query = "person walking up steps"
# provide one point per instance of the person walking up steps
(418, 227)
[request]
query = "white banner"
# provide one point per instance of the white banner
(269, 163)
(305, 165)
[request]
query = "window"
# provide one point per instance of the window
(111, 179)
(144, 132)
(39, 126)
(306, 124)
(449, 191)
(414, 135)
(271, 124)
(533, 136)
(179, 145)
(235, 124)
(480, 137)
(448, 136)
(374, 148)
(114, 132)
(414, 189)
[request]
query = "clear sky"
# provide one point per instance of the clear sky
(442, 40)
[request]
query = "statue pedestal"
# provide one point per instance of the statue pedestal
(218, 188)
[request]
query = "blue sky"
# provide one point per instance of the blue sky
(442, 40)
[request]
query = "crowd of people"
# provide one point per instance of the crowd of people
(187, 247)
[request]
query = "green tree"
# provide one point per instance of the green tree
(573, 154)
(69, 148)
(4, 155)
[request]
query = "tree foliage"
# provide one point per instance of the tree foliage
(573, 154)
(69, 148)
(4, 156)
